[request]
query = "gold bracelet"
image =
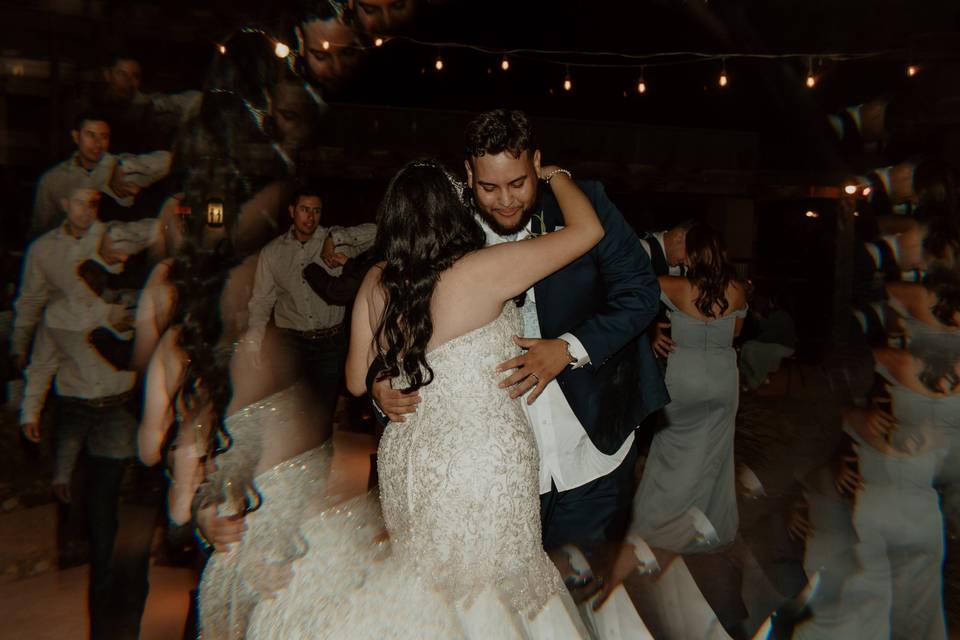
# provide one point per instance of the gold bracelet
(555, 172)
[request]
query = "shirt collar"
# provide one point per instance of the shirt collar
(289, 236)
(95, 230)
(495, 238)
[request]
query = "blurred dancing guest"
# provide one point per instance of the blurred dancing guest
(94, 403)
(329, 44)
(776, 339)
(313, 326)
(383, 17)
(120, 177)
(249, 459)
(140, 121)
(895, 589)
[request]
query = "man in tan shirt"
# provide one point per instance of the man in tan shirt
(313, 327)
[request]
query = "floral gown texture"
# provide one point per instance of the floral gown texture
(291, 492)
(459, 495)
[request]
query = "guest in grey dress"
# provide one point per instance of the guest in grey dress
(686, 501)
(893, 587)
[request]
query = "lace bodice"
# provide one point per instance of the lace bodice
(459, 479)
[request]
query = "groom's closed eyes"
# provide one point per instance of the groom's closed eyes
(516, 183)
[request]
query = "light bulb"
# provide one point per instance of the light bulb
(812, 214)
(811, 81)
(913, 70)
(567, 83)
(281, 50)
(850, 189)
(641, 87)
(378, 42)
(438, 64)
(866, 192)
(505, 64)
(723, 78)
(222, 49)
(325, 44)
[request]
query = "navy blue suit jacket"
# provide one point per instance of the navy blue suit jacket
(606, 298)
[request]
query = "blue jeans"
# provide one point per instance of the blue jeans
(118, 586)
(321, 363)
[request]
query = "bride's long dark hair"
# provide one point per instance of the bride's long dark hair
(708, 270)
(223, 156)
(423, 227)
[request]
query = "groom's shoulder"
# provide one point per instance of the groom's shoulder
(593, 189)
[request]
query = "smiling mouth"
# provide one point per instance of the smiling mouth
(508, 213)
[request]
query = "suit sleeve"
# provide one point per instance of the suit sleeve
(632, 292)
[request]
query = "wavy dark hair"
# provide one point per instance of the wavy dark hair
(708, 270)
(423, 227)
(945, 284)
(939, 356)
(494, 132)
(226, 156)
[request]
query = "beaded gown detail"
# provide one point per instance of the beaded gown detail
(290, 492)
(459, 495)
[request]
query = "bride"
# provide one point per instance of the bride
(458, 479)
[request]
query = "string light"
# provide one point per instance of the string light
(811, 79)
(281, 50)
(325, 44)
(812, 214)
(567, 82)
(850, 189)
(505, 64)
(723, 73)
(378, 42)
(641, 84)
(866, 192)
(912, 70)
(222, 49)
(438, 65)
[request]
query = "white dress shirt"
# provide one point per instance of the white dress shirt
(80, 370)
(568, 458)
(279, 286)
(50, 282)
(57, 183)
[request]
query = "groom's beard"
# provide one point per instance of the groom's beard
(495, 224)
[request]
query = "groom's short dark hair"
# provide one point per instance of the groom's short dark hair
(500, 130)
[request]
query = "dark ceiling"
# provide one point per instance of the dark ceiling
(176, 40)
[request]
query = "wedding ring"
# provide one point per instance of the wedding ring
(533, 375)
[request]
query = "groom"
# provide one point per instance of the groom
(587, 372)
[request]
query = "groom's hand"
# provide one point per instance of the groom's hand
(392, 402)
(542, 361)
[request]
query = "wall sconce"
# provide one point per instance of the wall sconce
(215, 213)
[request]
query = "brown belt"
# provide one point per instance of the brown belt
(105, 401)
(317, 334)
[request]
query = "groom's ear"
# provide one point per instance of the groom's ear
(536, 162)
(469, 168)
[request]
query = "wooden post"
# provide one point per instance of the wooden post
(844, 240)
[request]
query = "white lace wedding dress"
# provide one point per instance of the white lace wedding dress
(459, 493)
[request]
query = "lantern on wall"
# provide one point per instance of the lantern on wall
(215, 213)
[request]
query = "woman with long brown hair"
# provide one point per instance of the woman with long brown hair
(690, 471)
